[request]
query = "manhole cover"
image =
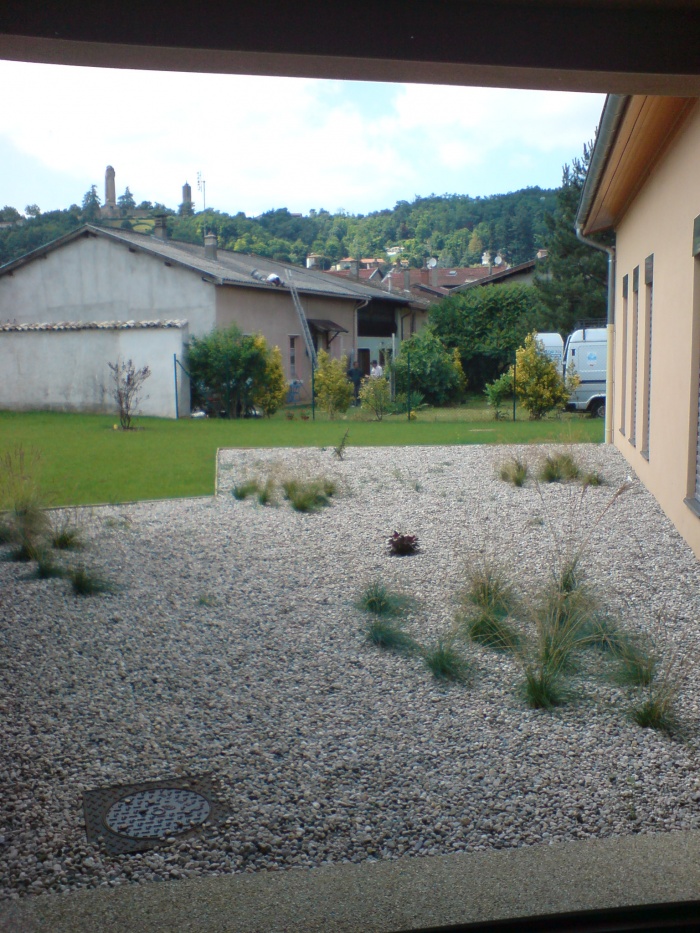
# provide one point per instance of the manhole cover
(136, 817)
(164, 811)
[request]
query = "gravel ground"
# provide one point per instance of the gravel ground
(232, 645)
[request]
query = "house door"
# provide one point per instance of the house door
(363, 361)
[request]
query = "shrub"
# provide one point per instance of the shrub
(375, 396)
(401, 545)
(434, 370)
(248, 488)
(86, 583)
(389, 635)
(538, 382)
(499, 392)
(333, 389)
(558, 467)
(403, 399)
(380, 601)
(514, 471)
(127, 385)
(308, 495)
(228, 370)
(270, 395)
(445, 662)
(492, 631)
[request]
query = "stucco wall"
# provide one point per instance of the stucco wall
(273, 314)
(68, 370)
(94, 279)
(660, 223)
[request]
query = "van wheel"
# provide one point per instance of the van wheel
(598, 410)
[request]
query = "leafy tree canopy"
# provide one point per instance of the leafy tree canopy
(486, 325)
(228, 370)
(432, 369)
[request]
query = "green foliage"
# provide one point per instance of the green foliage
(638, 667)
(243, 490)
(272, 392)
(380, 601)
(266, 493)
(333, 389)
(389, 635)
(489, 589)
(593, 478)
(91, 205)
(486, 324)
(542, 688)
(228, 370)
(514, 471)
(375, 396)
(572, 282)
(499, 392)
(126, 201)
(67, 537)
(86, 583)
(25, 521)
(538, 383)
(405, 401)
(47, 569)
(559, 467)
(657, 712)
(445, 662)
(308, 495)
(492, 631)
(433, 371)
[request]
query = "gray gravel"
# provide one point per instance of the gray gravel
(233, 645)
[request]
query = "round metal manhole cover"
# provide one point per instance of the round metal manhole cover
(151, 814)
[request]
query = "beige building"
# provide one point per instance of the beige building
(103, 279)
(643, 183)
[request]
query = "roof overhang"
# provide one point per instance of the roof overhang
(634, 134)
(623, 46)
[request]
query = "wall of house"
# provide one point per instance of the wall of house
(67, 370)
(272, 313)
(655, 394)
(95, 279)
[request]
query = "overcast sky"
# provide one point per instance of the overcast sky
(262, 143)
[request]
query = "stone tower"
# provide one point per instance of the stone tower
(110, 191)
(186, 193)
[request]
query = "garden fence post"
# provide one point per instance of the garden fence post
(313, 391)
(515, 368)
(177, 406)
(408, 384)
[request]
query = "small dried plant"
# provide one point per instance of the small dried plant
(514, 471)
(402, 545)
(339, 450)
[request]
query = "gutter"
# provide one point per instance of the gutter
(613, 113)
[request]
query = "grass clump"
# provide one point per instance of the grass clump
(445, 662)
(514, 471)
(558, 468)
(380, 601)
(266, 492)
(47, 569)
(308, 495)
(250, 487)
(604, 634)
(638, 667)
(542, 687)
(492, 631)
(389, 635)
(86, 583)
(656, 712)
(489, 589)
(66, 534)
(594, 478)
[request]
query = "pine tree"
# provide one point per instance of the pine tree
(573, 281)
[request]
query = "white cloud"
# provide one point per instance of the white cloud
(268, 142)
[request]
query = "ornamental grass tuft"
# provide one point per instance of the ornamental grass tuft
(380, 601)
(445, 662)
(389, 635)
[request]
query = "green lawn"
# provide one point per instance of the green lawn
(85, 461)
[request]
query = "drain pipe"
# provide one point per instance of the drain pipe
(610, 330)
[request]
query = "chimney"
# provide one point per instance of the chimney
(210, 242)
(407, 280)
(160, 229)
(434, 277)
(354, 269)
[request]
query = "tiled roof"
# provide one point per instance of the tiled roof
(93, 325)
(498, 276)
(228, 268)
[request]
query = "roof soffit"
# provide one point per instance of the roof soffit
(646, 130)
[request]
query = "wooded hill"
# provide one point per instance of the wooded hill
(455, 229)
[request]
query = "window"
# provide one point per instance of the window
(623, 374)
(634, 362)
(292, 358)
(646, 385)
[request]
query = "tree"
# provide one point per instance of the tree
(538, 382)
(91, 204)
(375, 396)
(433, 371)
(32, 210)
(486, 324)
(9, 214)
(227, 370)
(126, 201)
(333, 388)
(127, 384)
(272, 393)
(572, 283)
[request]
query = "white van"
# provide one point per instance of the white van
(553, 346)
(586, 353)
